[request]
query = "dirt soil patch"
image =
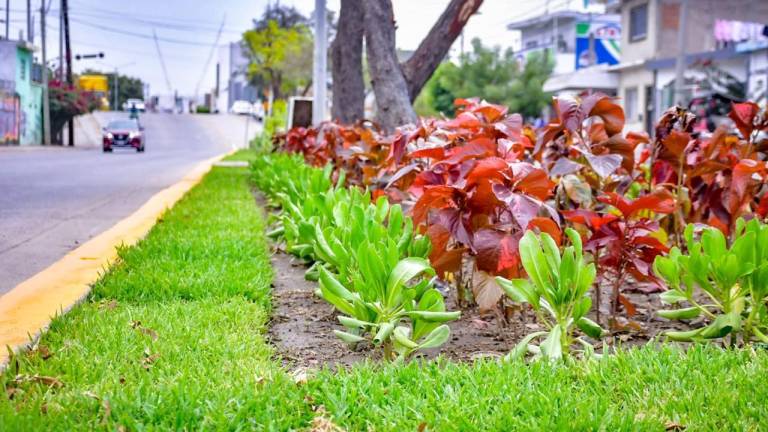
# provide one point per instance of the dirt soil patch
(301, 329)
(302, 324)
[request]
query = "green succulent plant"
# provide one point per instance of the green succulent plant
(558, 292)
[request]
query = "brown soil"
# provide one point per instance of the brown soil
(302, 324)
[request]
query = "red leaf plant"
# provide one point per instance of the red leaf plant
(624, 240)
(717, 179)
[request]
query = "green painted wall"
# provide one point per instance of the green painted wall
(31, 97)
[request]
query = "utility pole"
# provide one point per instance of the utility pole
(117, 90)
(61, 40)
(68, 53)
(319, 73)
(46, 102)
(680, 62)
(29, 21)
(7, 18)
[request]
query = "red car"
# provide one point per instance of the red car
(123, 133)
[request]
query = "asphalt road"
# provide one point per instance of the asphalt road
(53, 199)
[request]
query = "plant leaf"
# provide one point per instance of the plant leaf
(436, 337)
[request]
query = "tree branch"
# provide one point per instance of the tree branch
(436, 44)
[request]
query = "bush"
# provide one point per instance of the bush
(272, 124)
(66, 102)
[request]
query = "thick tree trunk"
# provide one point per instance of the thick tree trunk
(347, 64)
(433, 49)
(393, 104)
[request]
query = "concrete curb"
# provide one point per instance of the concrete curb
(27, 310)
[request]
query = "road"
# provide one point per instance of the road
(54, 199)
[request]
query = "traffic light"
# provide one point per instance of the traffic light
(89, 56)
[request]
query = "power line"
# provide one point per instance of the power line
(138, 35)
(162, 62)
(167, 25)
(112, 48)
(210, 57)
(150, 17)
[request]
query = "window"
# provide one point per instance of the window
(531, 44)
(638, 22)
(37, 72)
(630, 103)
(23, 70)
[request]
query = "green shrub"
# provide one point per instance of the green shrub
(370, 262)
(558, 291)
(731, 280)
(272, 124)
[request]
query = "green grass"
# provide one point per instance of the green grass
(644, 389)
(210, 245)
(200, 283)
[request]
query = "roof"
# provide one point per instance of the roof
(669, 62)
(561, 15)
(596, 78)
(22, 44)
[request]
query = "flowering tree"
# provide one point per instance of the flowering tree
(66, 102)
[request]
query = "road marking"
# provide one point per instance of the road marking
(26, 311)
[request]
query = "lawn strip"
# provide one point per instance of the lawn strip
(210, 245)
(641, 389)
(171, 338)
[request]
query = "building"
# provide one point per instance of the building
(231, 78)
(21, 95)
(722, 35)
(584, 42)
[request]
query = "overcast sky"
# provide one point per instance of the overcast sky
(123, 30)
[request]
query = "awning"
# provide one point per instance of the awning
(593, 78)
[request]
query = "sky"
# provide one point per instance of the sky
(188, 32)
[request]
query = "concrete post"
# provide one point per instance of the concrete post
(46, 104)
(319, 72)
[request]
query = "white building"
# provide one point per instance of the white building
(231, 78)
(562, 33)
(584, 42)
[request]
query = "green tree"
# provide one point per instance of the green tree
(526, 93)
(280, 57)
(493, 75)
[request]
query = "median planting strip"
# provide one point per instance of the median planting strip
(28, 308)
(173, 337)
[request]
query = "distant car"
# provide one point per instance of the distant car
(137, 103)
(241, 107)
(126, 133)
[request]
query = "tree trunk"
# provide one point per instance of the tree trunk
(393, 104)
(347, 64)
(433, 49)
(276, 82)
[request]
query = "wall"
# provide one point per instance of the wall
(30, 96)
(542, 34)
(10, 111)
(638, 78)
(701, 22)
(644, 48)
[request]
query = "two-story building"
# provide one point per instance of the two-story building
(721, 35)
(21, 94)
(583, 43)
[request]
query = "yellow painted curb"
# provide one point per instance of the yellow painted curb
(27, 310)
